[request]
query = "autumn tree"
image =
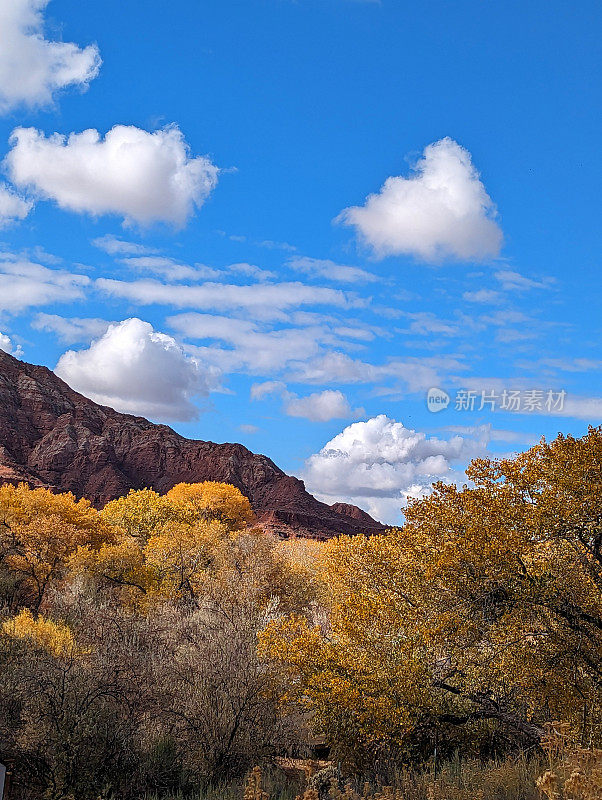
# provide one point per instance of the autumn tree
(211, 500)
(140, 513)
(514, 571)
(194, 543)
(143, 512)
(360, 669)
(485, 609)
(39, 530)
(43, 633)
(135, 669)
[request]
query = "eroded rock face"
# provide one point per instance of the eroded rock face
(52, 436)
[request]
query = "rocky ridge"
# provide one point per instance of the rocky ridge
(54, 437)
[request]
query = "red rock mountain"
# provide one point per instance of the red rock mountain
(54, 437)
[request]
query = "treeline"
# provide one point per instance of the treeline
(128, 654)
(164, 644)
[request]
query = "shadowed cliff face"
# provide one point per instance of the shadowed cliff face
(54, 437)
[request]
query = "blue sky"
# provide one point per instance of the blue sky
(208, 255)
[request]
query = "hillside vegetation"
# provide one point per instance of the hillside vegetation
(164, 645)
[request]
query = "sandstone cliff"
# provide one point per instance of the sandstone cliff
(52, 436)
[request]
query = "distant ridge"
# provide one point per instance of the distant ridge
(54, 437)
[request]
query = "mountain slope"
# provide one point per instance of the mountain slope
(52, 436)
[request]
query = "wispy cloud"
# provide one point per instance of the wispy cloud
(485, 296)
(266, 300)
(324, 268)
(71, 330)
(114, 246)
(514, 281)
(25, 284)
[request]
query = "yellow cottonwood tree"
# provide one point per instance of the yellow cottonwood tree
(361, 669)
(186, 557)
(141, 513)
(484, 609)
(38, 532)
(193, 543)
(121, 566)
(211, 500)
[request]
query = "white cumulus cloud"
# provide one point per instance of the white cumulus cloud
(33, 68)
(143, 177)
(442, 211)
(379, 464)
(137, 370)
(316, 407)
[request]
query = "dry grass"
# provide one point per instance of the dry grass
(510, 779)
(574, 772)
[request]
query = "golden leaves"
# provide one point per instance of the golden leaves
(38, 533)
(210, 500)
(486, 605)
(57, 639)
